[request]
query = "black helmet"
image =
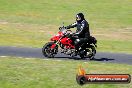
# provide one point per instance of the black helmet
(80, 17)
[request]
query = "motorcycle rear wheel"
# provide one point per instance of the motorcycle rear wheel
(93, 52)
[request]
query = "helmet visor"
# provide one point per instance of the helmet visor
(78, 18)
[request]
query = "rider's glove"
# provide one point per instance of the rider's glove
(66, 27)
(60, 28)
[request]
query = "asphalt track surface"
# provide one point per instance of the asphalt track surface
(36, 53)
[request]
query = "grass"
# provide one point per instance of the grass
(31, 23)
(41, 73)
(50, 12)
(115, 46)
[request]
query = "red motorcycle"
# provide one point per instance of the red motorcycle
(64, 40)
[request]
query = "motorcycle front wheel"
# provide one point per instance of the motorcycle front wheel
(48, 51)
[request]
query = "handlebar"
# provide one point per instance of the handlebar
(60, 28)
(66, 32)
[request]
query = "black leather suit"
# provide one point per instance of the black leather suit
(82, 32)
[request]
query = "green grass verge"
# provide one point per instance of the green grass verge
(49, 12)
(41, 73)
(115, 46)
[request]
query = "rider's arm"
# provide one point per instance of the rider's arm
(72, 25)
(83, 27)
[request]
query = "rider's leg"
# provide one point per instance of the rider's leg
(79, 42)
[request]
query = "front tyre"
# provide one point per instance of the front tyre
(48, 51)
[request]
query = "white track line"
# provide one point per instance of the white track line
(3, 56)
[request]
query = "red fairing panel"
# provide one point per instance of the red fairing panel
(68, 43)
(53, 46)
(56, 37)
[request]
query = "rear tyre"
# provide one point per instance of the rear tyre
(93, 52)
(82, 57)
(48, 51)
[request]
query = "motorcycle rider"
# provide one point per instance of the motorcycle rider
(82, 31)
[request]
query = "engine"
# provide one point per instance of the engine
(67, 51)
